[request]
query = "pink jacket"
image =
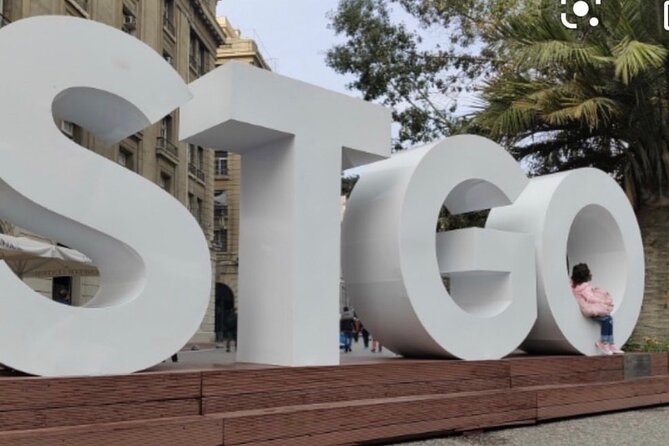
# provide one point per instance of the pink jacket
(592, 301)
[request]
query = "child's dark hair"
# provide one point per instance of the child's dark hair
(580, 274)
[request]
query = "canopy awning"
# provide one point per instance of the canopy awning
(28, 257)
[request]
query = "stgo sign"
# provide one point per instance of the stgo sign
(508, 282)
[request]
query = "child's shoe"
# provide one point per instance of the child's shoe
(604, 348)
(615, 350)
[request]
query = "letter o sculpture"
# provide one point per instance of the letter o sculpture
(580, 216)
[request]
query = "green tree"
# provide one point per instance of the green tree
(558, 98)
(596, 96)
(392, 63)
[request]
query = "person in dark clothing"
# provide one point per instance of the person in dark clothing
(230, 329)
(365, 336)
(63, 296)
(347, 326)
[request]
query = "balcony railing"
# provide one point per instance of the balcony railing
(163, 144)
(168, 25)
(197, 173)
(4, 21)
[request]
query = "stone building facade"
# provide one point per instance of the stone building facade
(187, 34)
(227, 180)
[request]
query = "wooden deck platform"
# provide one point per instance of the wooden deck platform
(354, 403)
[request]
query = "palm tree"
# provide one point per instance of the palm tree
(596, 96)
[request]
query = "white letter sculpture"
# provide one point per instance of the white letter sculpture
(152, 256)
(393, 271)
(578, 216)
(393, 261)
(294, 139)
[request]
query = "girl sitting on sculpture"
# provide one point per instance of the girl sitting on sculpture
(596, 304)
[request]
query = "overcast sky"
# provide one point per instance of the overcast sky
(293, 36)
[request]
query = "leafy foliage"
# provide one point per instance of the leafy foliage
(648, 344)
(393, 65)
(556, 98)
(587, 97)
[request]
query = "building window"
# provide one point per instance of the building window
(67, 129)
(165, 182)
(191, 203)
(221, 163)
(166, 128)
(197, 55)
(195, 207)
(220, 210)
(129, 22)
(221, 239)
(168, 16)
(191, 154)
(196, 161)
(164, 143)
(4, 20)
(71, 130)
(168, 58)
(125, 159)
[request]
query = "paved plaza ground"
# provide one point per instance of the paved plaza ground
(646, 427)
(210, 355)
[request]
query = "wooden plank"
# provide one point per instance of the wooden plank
(191, 431)
(659, 363)
(577, 394)
(108, 413)
(22, 393)
(274, 424)
(529, 371)
(259, 400)
(230, 382)
(596, 376)
(406, 432)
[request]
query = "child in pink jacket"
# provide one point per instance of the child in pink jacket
(596, 304)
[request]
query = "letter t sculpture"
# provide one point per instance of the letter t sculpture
(294, 139)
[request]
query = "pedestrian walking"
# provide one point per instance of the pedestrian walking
(346, 327)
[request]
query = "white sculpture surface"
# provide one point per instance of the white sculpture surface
(393, 259)
(153, 259)
(580, 216)
(294, 139)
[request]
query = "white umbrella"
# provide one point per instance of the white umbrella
(33, 258)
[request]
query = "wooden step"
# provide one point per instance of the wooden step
(234, 390)
(191, 431)
(373, 419)
(34, 403)
(571, 400)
